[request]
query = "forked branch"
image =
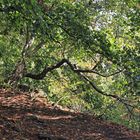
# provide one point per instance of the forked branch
(42, 75)
(80, 72)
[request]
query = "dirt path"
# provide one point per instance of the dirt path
(24, 119)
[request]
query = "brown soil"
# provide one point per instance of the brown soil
(24, 119)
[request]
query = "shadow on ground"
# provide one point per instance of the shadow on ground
(24, 119)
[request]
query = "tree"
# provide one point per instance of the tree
(90, 46)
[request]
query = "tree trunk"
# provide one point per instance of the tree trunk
(17, 73)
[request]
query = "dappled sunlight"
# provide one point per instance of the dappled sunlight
(69, 70)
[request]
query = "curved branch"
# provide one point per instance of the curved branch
(80, 72)
(121, 100)
(42, 75)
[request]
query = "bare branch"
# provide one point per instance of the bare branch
(41, 75)
(59, 64)
(121, 100)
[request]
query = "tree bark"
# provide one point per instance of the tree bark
(18, 73)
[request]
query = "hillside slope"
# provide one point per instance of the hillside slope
(22, 118)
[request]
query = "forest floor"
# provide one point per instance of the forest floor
(22, 118)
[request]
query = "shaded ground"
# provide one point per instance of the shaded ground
(24, 119)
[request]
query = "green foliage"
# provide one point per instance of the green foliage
(102, 35)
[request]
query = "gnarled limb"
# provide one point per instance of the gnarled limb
(42, 75)
(80, 72)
